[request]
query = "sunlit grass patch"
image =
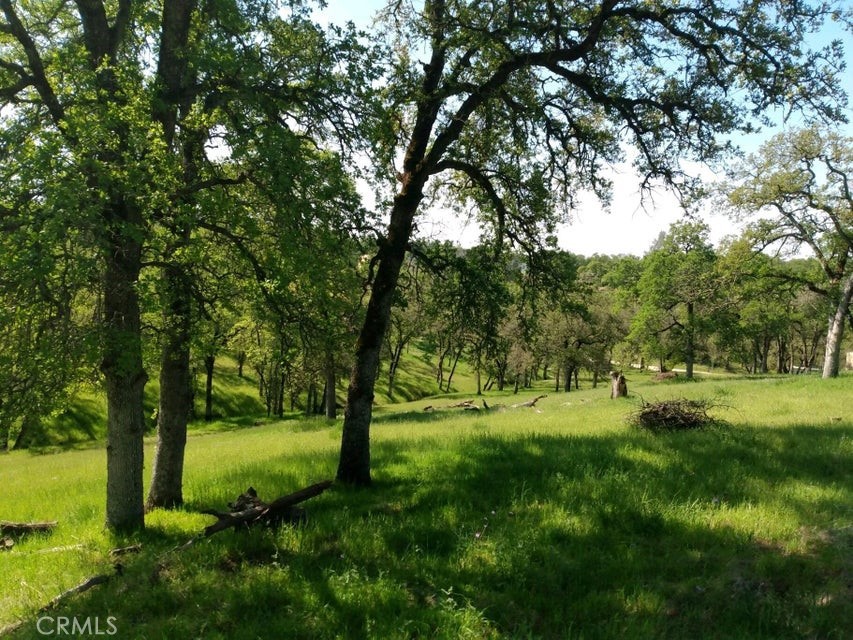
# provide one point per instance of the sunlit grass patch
(557, 522)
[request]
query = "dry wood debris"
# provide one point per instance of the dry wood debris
(674, 415)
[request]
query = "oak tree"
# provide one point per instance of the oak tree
(515, 106)
(800, 185)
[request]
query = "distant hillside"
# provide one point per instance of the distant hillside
(236, 401)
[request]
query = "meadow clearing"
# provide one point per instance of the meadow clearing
(562, 521)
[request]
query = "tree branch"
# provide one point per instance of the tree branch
(39, 77)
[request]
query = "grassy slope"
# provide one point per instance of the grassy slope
(415, 378)
(235, 400)
(564, 523)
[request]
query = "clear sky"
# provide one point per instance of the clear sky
(629, 226)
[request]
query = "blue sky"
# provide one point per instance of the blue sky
(627, 227)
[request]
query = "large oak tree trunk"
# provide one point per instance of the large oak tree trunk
(176, 381)
(567, 383)
(125, 381)
(354, 464)
(175, 396)
(835, 332)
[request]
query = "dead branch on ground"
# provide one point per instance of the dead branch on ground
(529, 403)
(249, 510)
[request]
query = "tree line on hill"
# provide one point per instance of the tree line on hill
(180, 178)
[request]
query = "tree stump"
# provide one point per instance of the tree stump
(618, 385)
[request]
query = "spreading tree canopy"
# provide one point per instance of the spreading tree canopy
(800, 184)
(516, 106)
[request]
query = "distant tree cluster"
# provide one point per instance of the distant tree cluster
(683, 303)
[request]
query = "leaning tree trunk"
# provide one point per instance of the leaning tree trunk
(394, 363)
(835, 332)
(354, 464)
(456, 358)
(175, 396)
(125, 379)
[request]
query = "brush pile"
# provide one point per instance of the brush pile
(674, 415)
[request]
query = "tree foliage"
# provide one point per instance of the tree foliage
(677, 293)
(800, 184)
(115, 116)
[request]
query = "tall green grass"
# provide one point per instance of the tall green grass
(562, 523)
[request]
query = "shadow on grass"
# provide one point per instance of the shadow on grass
(221, 425)
(628, 535)
(410, 416)
(79, 426)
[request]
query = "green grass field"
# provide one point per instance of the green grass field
(559, 523)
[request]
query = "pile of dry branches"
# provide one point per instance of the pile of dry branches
(674, 415)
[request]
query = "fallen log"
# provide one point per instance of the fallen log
(66, 547)
(529, 403)
(460, 405)
(665, 375)
(248, 510)
(12, 530)
(22, 528)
